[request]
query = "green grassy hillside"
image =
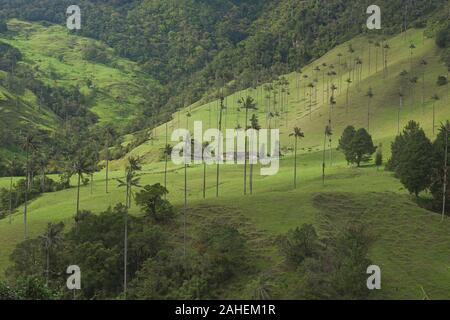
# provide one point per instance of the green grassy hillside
(411, 243)
(116, 90)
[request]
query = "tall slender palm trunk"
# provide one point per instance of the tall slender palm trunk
(107, 168)
(165, 160)
(92, 183)
(347, 100)
(47, 271)
(219, 152)
(185, 209)
(295, 164)
(78, 194)
(27, 184)
(398, 115)
(423, 91)
(434, 116)
(204, 180)
(10, 198)
(125, 256)
(252, 151)
(444, 194)
(323, 159)
(310, 103)
(245, 152)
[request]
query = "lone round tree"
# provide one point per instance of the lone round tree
(362, 147)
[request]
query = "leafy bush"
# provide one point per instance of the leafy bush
(3, 26)
(299, 244)
(9, 56)
(225, 249)
(222, 255)
(443, 37)
(151, 200)
(95, 53)
(7, 293)
(442, 80)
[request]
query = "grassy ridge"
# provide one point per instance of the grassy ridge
(117, 88)
(412, 245)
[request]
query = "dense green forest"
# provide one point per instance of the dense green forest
(195, 47)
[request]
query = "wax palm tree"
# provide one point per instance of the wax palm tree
(448, 82)
(316, 85)
(435, 98)
(386, 49)
(423, 63)
(42, 163)
(299, 73)
(340, 68)
(247, 104)
(263, 290)
(316, 79)
(332, 74)
(350, 51)
(268, 89)
(109, 136)
(400, 94)
(413, 82)
(188, 115)
(219, 147)
(253, 125)
(445, 128)
(411, 48)
(51, 240)
(80, 166)
(349, 82)
(29, 145)
(328, 134)
(271, 115)
(131, 180)
(358, 63)
(305, 76)
(167, 152)
(204, 149)
(332, 103)
(297, 134)
(377, 46)
(311, 87)
(369, 95)
(13, 166)
(94, 164)
(324, 65)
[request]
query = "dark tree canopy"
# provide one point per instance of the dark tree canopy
(413, 157)
(345, 142)
(357, 146)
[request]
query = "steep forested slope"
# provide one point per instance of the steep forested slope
(55, 79)
(193, 46)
